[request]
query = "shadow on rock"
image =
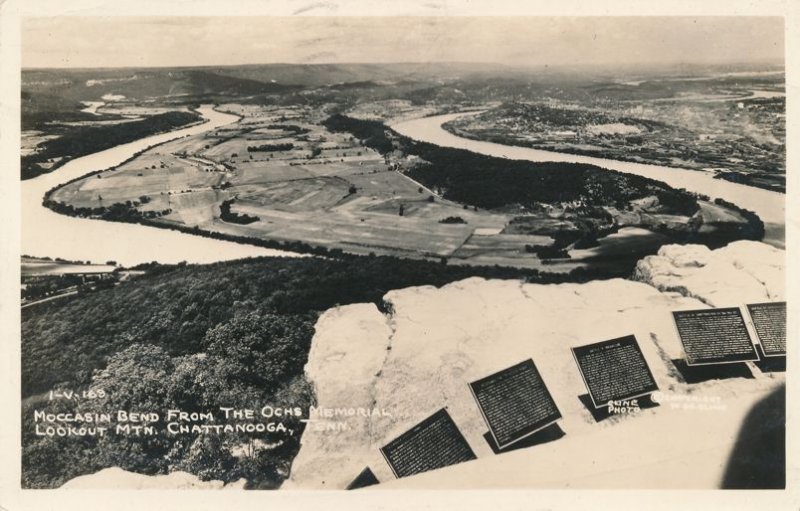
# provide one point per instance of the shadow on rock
(758, 460)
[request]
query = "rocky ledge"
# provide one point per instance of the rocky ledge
(393, 370)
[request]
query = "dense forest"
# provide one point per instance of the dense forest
(196, 338)
(372, 133)
(85, 140)
(489, 182)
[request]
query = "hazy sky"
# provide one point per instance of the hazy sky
(189, 41)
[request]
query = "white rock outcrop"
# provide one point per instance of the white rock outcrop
(721, 277)
(421, 356)
(115, 478)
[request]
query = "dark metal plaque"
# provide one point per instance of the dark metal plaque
(434, 443)
(515, 403)
(362, 480)
(714, 336)
(769, 322)
(614, 370)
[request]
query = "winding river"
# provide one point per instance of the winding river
(49, 234)
(768, 205)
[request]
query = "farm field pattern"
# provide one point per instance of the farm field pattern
(327, 190)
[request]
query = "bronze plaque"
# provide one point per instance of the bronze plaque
(515, 403)
(769, 322)
(434, 443)
(614, 370)
(714, 336)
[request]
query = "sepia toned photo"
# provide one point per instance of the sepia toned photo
(362, 253)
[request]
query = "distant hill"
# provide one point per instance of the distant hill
(312, 75)
(56, 94)
(90, 84)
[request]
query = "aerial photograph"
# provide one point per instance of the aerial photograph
(364, 253)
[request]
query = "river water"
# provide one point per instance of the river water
(48, 234)
(769, 205)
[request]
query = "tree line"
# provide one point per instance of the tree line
(197, 337)
(85, 140)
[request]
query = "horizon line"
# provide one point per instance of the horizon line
(648, 64)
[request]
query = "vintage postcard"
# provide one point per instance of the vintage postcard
(279, 249)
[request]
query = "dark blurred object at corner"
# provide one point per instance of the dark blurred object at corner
(758, 460)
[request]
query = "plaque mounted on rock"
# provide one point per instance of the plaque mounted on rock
(614, 370)
(434, 443)
(769, 322)
(714, 336)
(515, 403)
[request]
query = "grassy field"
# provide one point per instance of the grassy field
(326, 190)
(293, 180)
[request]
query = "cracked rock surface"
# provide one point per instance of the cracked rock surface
(421, 356)
(720, 277)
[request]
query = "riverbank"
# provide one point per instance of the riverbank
(768, 205)
(767, 181)
(53, 153)
(169, 248)
(49, 234)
